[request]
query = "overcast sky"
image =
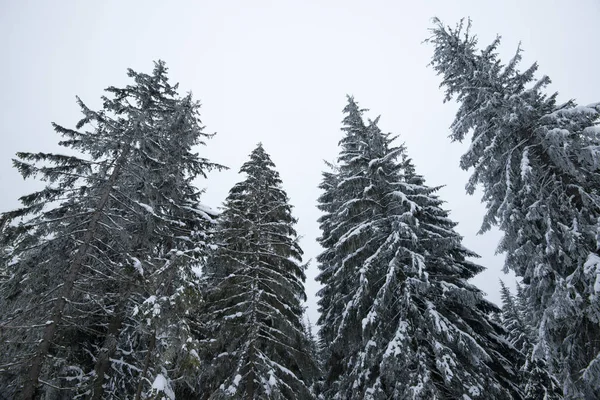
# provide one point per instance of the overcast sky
(278, 72)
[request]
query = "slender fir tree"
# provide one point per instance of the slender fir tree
(115, 226)
(520, 334)
(338, 278)
(399, 318)
(256, 345)
(536, 382)
(538, 163)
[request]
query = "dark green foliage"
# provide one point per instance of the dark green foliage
(117, 226)
(536, 382)
(399, 319)
(256, 346)
(538, 163)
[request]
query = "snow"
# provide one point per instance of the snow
(475, 391)
(445, 365)
(272, 381)
(146, 207)
(13, 261)
(155, 306)
(525, 167)
(233, 387)
(394, 347)
(198, 271)
(161, 385)
(125, 364)
(413, 206)
(137, 265)
(440, 322)
(204, 211)
(591, 268)
(448, 287)
(589, 110)
(592, 130)
(373, 162)
(156, 160)
(354, 232)
(283, 369)
(232, 316)
(237, 379)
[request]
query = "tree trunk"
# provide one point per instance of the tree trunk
(108, 350)
(30, 387)
(250, 379)
(152, 343)
(151, 346)
(110, 344)
(253, 338)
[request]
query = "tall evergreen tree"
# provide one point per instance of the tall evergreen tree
(520, 334)
(538, 163)
(256, 346)
(315, 351)
(536, 382)
(399, 319)
(116, 226)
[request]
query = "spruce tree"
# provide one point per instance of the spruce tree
(117, 224)
(338, 278)
(399, 318)
(538, 163)
(255, 343)
(520, 334)
(536, 382)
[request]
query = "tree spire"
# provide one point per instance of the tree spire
(256, 343)
(398, 317)
(538, 165)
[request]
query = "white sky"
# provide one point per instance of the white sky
(278, 72)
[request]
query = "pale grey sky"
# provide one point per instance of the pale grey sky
(278, 72)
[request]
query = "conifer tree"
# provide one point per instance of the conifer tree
(399, 318)
(520, 334)
(314, 344)
(537, 383)
(256, 346)
(115, 226)
(538, 163)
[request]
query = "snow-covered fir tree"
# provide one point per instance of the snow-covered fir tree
(255, 343)
(399, 319)
(538, 163)
(112, 237)
(536, 382)
(312, 339)
(520, 334)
